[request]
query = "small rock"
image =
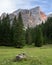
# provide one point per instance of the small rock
(21, 56)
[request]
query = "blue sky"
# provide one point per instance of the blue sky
(9, 6)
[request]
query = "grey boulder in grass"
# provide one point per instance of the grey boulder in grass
(21, 57)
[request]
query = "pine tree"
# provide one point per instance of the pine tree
(0, 32)
(6, 30)
(28, 36)
(47, 31)
(14, 34)
(39, 37)
(19, 37)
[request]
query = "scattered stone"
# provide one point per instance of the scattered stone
(20, 57)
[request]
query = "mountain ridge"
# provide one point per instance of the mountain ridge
(31, 17)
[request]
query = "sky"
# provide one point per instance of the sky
(9, 6)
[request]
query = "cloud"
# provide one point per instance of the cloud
(6, 6)
(12, 5)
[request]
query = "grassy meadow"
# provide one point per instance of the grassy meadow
(39, 56)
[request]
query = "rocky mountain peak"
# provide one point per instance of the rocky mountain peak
(31, 17)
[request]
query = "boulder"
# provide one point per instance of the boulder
(21, 56)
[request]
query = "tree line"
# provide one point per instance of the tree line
(15, 34)
(42, 34)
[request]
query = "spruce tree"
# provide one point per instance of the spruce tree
(39, 37)
(14, 31)
(19, 37)
(0, 32)
(6, 30)
(28, 36)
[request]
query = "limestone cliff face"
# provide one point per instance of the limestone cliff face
(43, 16)
(30, 17)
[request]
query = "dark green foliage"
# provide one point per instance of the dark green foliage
(15, 34)
(33, 34)
(0, 32)
(47, 30)
(28, 36)
(6, 30)
(12, 35)
(19, 37)
(39, 37)
(13, 30)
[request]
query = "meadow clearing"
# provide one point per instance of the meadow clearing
(40, 56)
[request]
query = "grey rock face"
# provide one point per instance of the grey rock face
(30, 17)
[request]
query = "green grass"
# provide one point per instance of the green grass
(40, 56)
